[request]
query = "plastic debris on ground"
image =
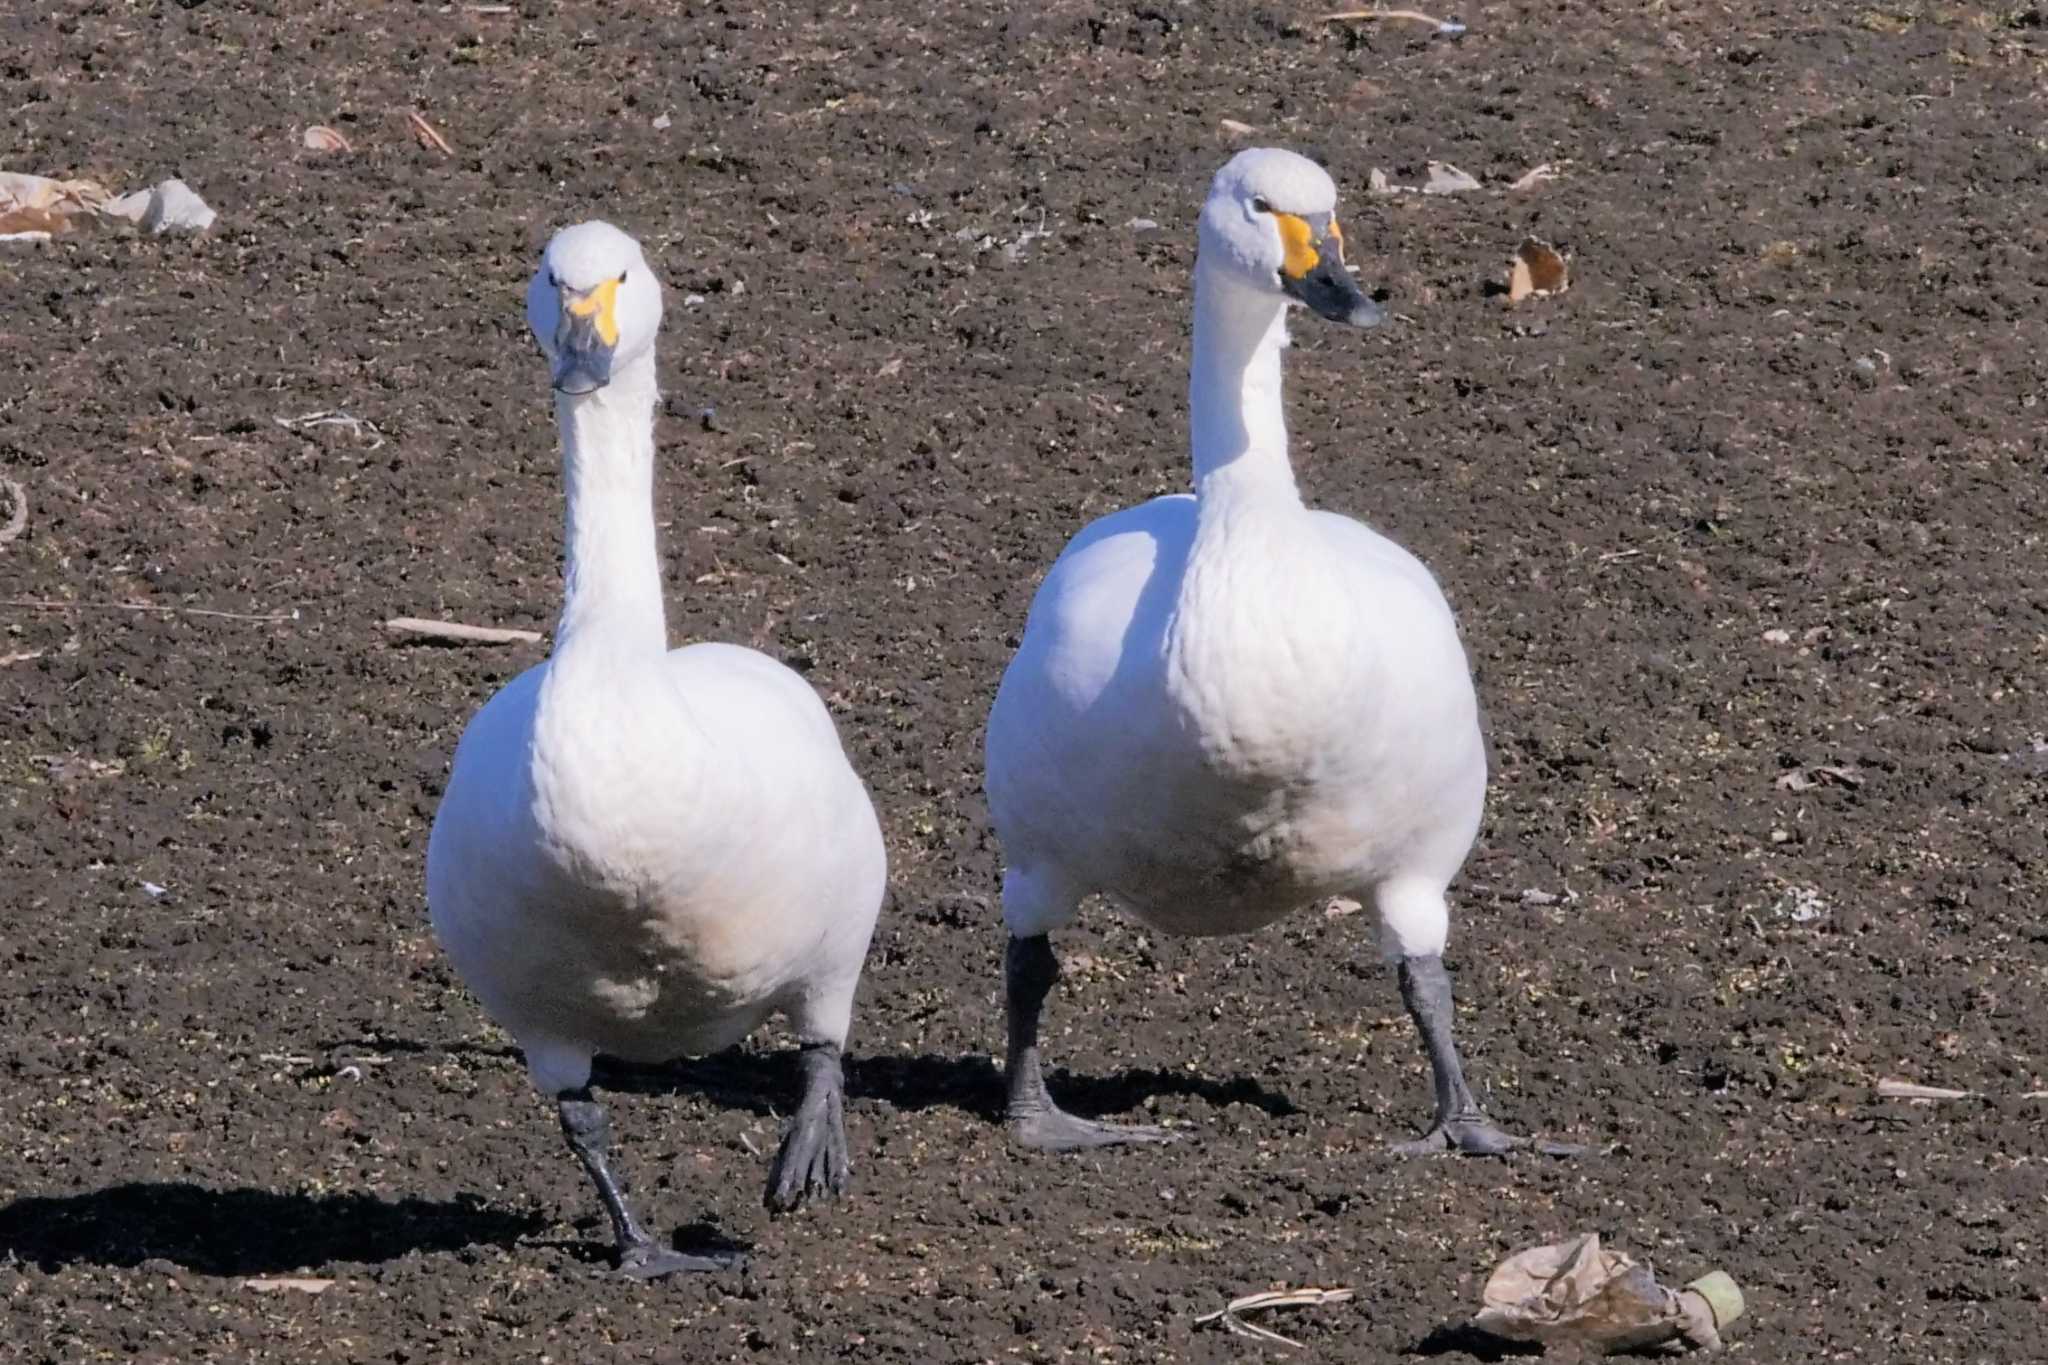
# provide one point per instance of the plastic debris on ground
(1581, 1294)
(166, 207)
(34, 208)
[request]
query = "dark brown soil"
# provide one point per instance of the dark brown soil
(1700, 554)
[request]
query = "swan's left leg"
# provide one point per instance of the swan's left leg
(813, 1162)
(1416, 923)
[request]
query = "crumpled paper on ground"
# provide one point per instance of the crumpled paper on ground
(164, 206)
(33, 207)
(1579, 1292)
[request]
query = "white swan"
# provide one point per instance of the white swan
(1226, 705)
(644, 853)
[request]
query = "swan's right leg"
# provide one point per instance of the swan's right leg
(1416, 922)
(1031, 909)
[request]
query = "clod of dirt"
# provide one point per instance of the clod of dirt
(294, 1284)
(1537, 270)
(1800, 905)
(1805, 779)
(14, 500)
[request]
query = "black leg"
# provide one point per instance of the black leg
(813, 1163)
(589, 1133)
(1029, 971)
(1461, 1125)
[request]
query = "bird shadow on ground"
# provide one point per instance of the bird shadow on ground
(768, 1083)
(1095, 1096)
(243, 1231)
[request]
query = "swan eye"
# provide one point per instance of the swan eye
(622, 276)
(1259, 205)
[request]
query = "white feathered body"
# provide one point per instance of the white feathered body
(645, 862)
(1221, 712)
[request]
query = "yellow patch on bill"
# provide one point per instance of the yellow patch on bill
(603, 301)
(1299, 239)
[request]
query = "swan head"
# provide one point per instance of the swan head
(1271, 223)
(593, 305)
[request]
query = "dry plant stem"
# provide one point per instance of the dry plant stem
(428, 134)
(1228, 1318)
(52, 604)
(334, 417)
(455, 632)
(1910, 1090)
(17, 520)
(1411, 15)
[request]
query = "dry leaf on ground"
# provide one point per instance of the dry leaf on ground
(1537, 270)
(1444, 178)
(320, 138)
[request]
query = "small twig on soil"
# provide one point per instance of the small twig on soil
(456, 633)
(427, 135)
(1527, 896)
(748, 1143)
(490, 9)
(1910, 1090)
(21, 656)
(1449, 28)
(334, 417)
(17, 520)
(1227, 1317)
(52, 604)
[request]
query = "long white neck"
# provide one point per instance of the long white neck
(1238, 425)
(612, 590)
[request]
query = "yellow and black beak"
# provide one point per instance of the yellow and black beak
(585, 338)
(1313, 270)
